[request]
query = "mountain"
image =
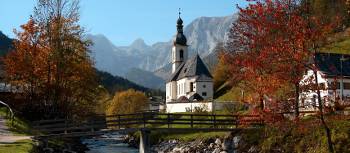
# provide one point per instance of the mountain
(5, 44)
(202, 34)
(145, 78)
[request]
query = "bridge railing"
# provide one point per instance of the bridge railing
(149, 120)
(167, 120)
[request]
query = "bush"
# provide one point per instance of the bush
(127, 102)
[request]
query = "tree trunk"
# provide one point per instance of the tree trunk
(328, 131)
(262, 102)
(296, 105)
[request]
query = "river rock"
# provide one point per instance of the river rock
(218, 141)
(253, 149)
(176, 150)
(217, 150)
(173, 141)
(48, 150)
(236, 141)
(227, 145)
(211, 146)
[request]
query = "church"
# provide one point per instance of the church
(190, 80)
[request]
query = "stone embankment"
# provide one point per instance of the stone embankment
(229, 144)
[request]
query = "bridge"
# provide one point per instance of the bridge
(145, 123)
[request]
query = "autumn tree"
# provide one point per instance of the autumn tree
(24, 66)
(126, 102)
(61, 73)
(273, 42)
(264, 42)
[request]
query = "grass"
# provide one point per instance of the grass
(306, 137)
(340, 47)
(23, 146)
(187, 136)
(18, 127)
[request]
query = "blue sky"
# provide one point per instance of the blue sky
(123, 21)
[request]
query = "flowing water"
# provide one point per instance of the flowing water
(108, 143)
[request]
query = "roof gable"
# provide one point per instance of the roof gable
(330, 64)
(193, 67)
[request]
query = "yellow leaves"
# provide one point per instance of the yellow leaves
(125, 102)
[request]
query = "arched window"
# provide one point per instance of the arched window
(181, 54)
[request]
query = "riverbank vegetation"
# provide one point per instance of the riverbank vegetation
(17, 127)
(285, 136)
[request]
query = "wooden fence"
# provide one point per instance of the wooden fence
(149, 120)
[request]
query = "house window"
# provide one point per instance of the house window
(322, 86)
(191, 87)
(181, 54)
(204, 93)
(204, 86)
(347, 86)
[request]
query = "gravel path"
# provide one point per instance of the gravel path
(6, 136)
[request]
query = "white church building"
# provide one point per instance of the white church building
(190, 84)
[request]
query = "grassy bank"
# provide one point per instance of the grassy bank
(18, 127)
(22, 146)
(304, 136)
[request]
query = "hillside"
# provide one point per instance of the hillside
(5, 44)
(338, 43)
(116, 83)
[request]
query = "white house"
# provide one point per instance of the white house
(190, 81)
(333, 76)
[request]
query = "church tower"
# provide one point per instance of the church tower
(179, 51)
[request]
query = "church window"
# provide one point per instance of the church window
(181, 54)
(191, 87)
(184, 88)
(204, 93)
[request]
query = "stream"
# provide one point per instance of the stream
(108, 143)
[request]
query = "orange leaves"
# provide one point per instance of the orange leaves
(50, 61)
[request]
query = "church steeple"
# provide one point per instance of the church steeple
(180, 37)
(179, 50)
(179, 24)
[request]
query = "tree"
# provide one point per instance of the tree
(55, 66)
(277, 39)
(268, 46)
(127, 102)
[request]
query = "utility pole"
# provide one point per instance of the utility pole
(342, 59)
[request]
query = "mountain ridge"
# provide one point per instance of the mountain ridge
(202, 34)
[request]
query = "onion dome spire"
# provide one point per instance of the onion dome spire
(180, 37)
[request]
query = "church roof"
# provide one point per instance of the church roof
(196, 97)
(330, 64)
(193, 67)
(180, 39)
